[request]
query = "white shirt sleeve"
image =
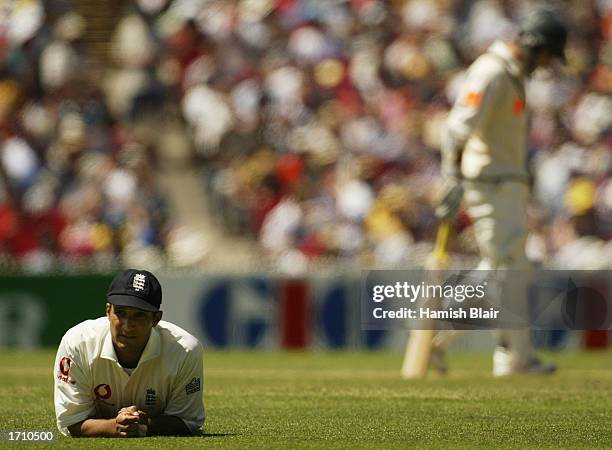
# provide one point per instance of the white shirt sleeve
(186, 399)
(73, 391)
(476, 100)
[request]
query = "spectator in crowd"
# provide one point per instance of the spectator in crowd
(316, 124)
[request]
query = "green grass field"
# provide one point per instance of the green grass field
(354, 400)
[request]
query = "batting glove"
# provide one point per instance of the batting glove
(449, 200)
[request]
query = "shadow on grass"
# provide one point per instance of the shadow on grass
(216, 435)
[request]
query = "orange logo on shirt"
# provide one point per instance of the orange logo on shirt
(473, 99)
(519, 107)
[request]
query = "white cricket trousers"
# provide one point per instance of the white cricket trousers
(499, 212)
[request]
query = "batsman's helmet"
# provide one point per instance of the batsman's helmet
(543, 29)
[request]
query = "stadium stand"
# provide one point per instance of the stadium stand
(313, 127)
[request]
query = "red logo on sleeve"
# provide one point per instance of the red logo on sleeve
(519, 107)
(103, 391)
(64, 368)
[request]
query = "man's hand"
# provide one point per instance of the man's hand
(449, 199)
(143, 423)
(133, 411)
(131, 422)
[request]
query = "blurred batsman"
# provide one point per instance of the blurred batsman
(129, 374)
(484, 164)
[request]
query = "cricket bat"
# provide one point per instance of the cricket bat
(418, 349)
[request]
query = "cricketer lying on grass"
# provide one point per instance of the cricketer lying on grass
(129, 374)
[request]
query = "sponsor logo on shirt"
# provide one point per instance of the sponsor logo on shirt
(64, 368)
(473, 99)
(103, 391)
(518, 107)
(193, 386)
(64, 365)
(150, 397)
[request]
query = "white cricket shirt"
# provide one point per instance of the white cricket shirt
(90, 382)
(489, 115)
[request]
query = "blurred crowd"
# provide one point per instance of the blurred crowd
(316, 124)
(77, 188)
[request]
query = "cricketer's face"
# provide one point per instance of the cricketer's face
(130, 327)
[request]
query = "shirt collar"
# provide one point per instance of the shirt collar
(151, 351)
(502, 50)
(153, 347)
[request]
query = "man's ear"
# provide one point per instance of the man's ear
(108, 310)
(157, 315)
